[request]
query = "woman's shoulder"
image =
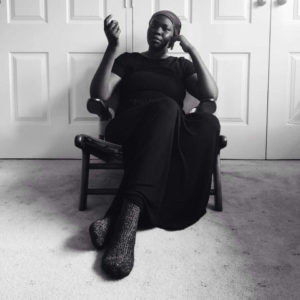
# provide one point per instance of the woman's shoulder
(180, 59)
(128, 57)
(129, 54)
(178, 64)
(183, 66)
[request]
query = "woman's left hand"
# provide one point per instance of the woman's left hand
(184, 43)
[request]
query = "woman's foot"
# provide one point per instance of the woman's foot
(99, 231)
(118, 259)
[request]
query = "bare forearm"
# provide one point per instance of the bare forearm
(100, 85)
(207, 87)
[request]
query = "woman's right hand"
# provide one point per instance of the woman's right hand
(112, 30)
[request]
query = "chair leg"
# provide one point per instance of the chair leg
(217, 185)
(84, 180)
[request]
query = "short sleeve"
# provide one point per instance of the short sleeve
(120, 64)
(188, 68)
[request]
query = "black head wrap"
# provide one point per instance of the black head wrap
(174, 19)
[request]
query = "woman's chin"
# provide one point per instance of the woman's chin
(156, 46)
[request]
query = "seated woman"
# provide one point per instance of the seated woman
(168, 155)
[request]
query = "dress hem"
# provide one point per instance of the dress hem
(175, 227)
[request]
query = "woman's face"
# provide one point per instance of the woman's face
(160, 32)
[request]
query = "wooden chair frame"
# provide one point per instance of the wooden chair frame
(111, 154)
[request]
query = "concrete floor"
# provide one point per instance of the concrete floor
(249, 251)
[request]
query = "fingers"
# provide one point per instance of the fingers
(177, 38)
(111, 29)
(109, 23)
(107, 20)
(113, 25)
(116, 30)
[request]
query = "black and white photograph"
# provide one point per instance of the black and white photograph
(150, 149)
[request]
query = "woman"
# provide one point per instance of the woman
(168, 156)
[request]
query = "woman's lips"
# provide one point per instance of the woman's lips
(155, 39)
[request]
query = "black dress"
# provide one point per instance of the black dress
(168, 155)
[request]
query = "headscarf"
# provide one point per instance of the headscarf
(174, 19)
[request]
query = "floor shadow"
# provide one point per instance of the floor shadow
(211, 206)
(80, 241)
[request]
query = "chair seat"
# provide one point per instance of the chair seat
(108, 151)
(112, 156)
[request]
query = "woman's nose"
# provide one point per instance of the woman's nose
(158, 30)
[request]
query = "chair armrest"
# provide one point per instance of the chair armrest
(100, 148)
(222, 141)
(98, 107)
(207, 106)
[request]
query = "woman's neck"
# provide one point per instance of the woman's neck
(163, 53)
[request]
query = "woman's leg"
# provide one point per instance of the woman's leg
(147, 135)
(117, 131)
(100, 231)
(118, 259)
(147, 150)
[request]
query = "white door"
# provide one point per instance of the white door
(48, 54)
(232, 36)
(284, 95)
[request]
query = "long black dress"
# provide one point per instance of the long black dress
(168, 155)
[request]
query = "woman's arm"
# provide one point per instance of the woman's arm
(104, 80)
(202, 86)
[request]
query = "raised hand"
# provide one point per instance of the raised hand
(112, 30)
(184, 43)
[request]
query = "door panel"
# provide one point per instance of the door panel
(284, 95)
(29, 105)
(49, 53)
(234, 88)
(232, 37)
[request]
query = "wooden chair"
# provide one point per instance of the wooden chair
(111, 154)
